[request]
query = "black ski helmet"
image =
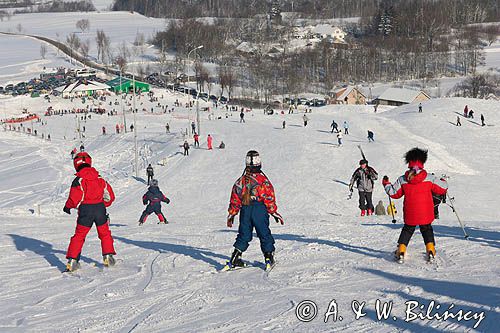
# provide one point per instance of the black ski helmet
(252, 161)
(154, 182)
(363, 161)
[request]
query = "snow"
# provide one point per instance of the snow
(20, 59)
(118, 26)
(166, 279)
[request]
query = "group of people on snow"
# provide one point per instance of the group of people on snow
(253, 198)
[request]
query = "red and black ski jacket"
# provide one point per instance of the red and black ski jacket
(89, 188)
(153, 197)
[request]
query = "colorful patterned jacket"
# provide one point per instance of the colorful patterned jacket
(260, 188)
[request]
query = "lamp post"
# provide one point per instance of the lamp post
(121, 103)
(135, 130)
(197, 101)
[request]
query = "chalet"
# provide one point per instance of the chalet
(401, 96)
(347, 95)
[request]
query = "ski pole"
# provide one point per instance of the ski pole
(452, 206)
(392, 209)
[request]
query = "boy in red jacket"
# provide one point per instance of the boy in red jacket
(253, 198)
(418, 207)
(90, 194)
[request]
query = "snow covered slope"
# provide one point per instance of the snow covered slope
(167, 277)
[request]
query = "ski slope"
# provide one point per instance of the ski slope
(167, 278)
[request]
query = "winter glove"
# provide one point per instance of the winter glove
(278, 218)
(67, 210)
(167, 201)
(385, 181)
(230, 221)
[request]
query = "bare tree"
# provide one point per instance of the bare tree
(123, 55)
(103, 44)
(492, 32)
(84, 48)
(83, 25)
(43, 51)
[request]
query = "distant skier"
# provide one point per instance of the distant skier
(73, 153)
(167, 128)
(380, 209)
(209, 142)
(103, 130)
(242, 116)
(471, 114)
(186, 148)
(90, 194)
(418, 209)
(284, 124)
(346, 127)
(482, 120)
(334, 126)
(193, 128)
(371, 136)
(339, 138)
(153, 198)
(222, 145)
(196, 138)
(364, 176)
(117, 128)
(458, 121)
(253, 195)
(150, 173)
(306, 119)
(82, 148)
(466, 111)
(420, 108)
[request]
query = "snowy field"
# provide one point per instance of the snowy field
(20, 59)
(118, 26)
(167, 277)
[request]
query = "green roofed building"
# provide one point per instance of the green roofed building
(126, 85)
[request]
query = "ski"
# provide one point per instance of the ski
(229, 268)
(270, 267)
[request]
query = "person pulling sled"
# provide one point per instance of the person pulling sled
(418, 188)
(153, 199)
(253, 197)
(91, 195)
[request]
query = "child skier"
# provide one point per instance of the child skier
(253, 195)
(153, 198)
(90, 194)
(418, 208)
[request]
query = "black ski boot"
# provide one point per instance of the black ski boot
(108, 260)
(235, 262)
(72, 265)
(269, 259)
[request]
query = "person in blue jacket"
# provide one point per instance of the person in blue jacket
(153, 198)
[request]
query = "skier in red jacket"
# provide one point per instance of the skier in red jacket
(90, 194)
(417, 186)
(253, 198)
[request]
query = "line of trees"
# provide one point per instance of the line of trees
(460, 11)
